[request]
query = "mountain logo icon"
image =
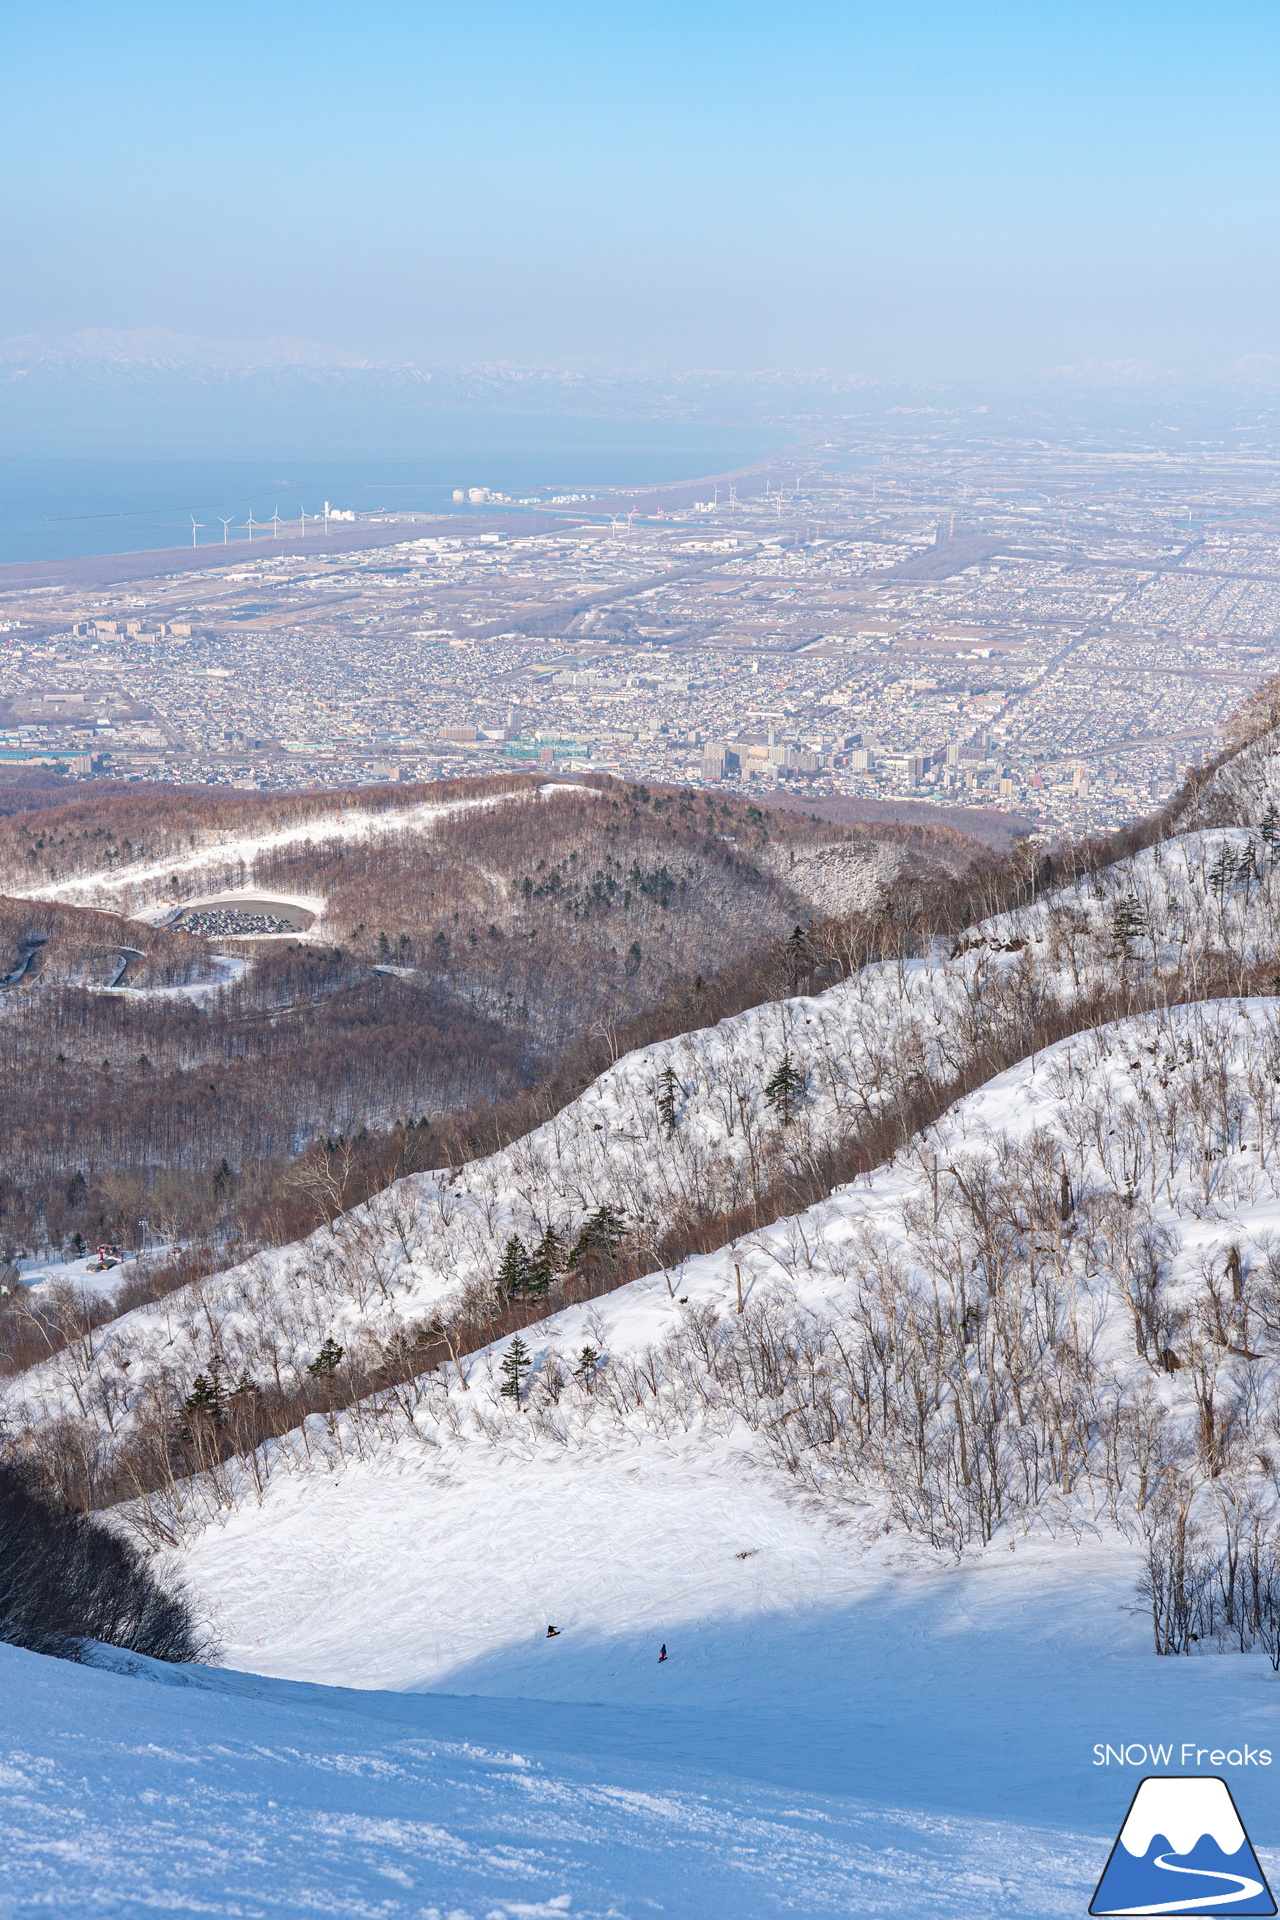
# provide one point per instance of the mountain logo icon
(1183, 1851)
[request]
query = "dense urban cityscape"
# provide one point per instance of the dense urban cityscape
(1052, 635)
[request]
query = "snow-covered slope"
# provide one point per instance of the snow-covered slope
(846, 1722)
(1202, 1177)
(388, 1267)
(140, 887)
(234, 1796)
(1180, 903)
(1241, 789)
(851, 1719)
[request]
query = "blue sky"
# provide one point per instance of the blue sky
(910, 190)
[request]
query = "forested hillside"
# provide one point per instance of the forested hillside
(104, 832)
(686, 1144)
(474, 949)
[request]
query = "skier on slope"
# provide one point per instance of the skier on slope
(662, 1653)
(553, 1633)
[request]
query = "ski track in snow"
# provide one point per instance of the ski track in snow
(348, 823)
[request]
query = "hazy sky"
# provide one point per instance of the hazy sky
(902, 189)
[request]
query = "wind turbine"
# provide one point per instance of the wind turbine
(195, 528)
(275, 522)
(225, 524)
(251, 523)
(302, 510)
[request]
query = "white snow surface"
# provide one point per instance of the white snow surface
(848, 1734)
(133, 1793)
(40, 1277)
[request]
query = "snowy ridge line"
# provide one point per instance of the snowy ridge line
(429, 1245)
(1244, 783)
(1181, 904)
(349, 823)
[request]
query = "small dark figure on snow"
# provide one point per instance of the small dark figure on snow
(553, 1633)
(662, 1653)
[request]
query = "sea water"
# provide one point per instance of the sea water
(54, 509)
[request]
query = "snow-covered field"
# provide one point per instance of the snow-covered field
(874, 1739)
(82, 1275)
(246, 1797)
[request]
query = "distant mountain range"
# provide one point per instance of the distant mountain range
(102, 351)
(141, 388)
(113, 359)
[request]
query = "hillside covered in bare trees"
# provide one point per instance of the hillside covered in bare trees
(967, 1213)
(467, 951)
(688, 1141)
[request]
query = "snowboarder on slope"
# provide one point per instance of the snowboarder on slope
(553, 1633)
(662, 1653)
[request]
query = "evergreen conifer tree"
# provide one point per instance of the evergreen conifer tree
(668, 1087)
(602, 1232)
(545, 1262)
(1270, 828)
(585, 1371)
(208, 1397)
(1128, 922)
(513, 1272)
(799, 957)
(328, 1360)
(515, 1365)
(1223, 872)
(786, 1088)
